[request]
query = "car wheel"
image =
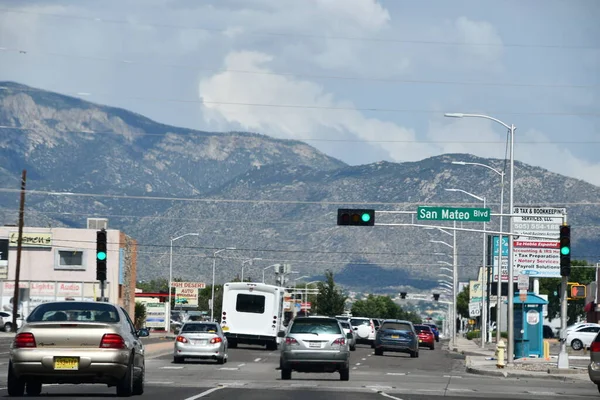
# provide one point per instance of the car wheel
(353, 348)
(125, 385)
(7, 327)
(432, 347)
(577, 344)
(138, 383)
(15, 386)
(178, 360)
(286, 373)
(34, 388)
(345, 374)
(378, 352)
(221, 360)
(414, 354)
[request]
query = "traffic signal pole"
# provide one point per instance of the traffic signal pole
(565, 271)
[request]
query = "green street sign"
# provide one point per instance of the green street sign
(453, 214)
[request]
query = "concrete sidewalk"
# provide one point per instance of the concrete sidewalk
(482, 361)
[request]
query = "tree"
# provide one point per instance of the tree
(330, 299)
(140, 314)
(382, 307)
(154, 285)
(550, 287)
(204, 295)
(462, 302)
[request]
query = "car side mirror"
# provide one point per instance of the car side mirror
(281, 334)
(349, 336)
(143, 333)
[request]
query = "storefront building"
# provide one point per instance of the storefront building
(60, 263)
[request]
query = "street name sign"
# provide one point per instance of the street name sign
(462, 214)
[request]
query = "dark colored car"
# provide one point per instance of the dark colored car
(435, 330)
(426, 336)
(397, 336)
(547, 332)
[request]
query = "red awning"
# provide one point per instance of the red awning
(589, 307)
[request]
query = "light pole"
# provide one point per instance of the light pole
(171, 273)
(265, 268)
(511, 297)
(212, 289)
(483, 271)
(500, 245)
(248, 261)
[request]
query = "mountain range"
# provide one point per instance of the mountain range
(272, 199)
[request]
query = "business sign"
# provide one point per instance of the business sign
(30, 239)
(186, 297)
(461, 214)
(156, 315)
(537, 256)
(189, 285)
(3, 259)
(475, 291)
(500, 262)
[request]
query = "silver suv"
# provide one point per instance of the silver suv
(315, 344)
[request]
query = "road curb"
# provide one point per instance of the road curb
(517, 374)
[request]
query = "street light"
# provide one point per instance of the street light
(265, 268)
(511, 339)
(171, 273)
(483, 271)
(248, 261)
(500, 246)
(212, 296)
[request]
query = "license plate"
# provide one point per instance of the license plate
(66, 363)
(314, 344)
(202, 341)
(395, 337)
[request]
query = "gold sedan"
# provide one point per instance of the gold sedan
(70, 342)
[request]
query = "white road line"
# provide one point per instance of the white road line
(389, 396)
(353, 367)
(229, 369)
(158, 383)
(206, 392)
(171, 368)
(257, 360)
(370, 355)
(396, 373)
(363, 359)
(452, 376)
(241, 365)
(357, 363)
(8, 352)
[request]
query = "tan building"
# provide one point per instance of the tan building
(60, 263)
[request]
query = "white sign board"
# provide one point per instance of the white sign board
(189, 285)
(474, 309)
(523, 282)
(533, 317)
(186, 297)
(535, 256)
(156, 315)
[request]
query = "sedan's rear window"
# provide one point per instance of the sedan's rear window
(74, 311)
(395, 326)
(191, 328)
(323, 326)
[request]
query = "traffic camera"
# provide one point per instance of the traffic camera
(356, 217)
(101, 255)
(565, 250)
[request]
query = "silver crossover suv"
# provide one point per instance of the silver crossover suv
(315, 344)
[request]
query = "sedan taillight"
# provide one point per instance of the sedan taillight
(595, 347)
(112, 341)
(216, 340)
(181, 339)
(290, 341)
(23, 340)
(339, 341)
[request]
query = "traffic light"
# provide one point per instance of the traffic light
(403, 295)
(356, 217)
(576, 291)
(565, 250)
(436, 296)
(101, 254)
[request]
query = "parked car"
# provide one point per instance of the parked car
(203, 340)
(594, 365)
(74, 342)
(364, 328)
(582, 337)
(348, 329)
(397, 336)
(436, 331)
(315, 344)
(426, 336)
(6, 321)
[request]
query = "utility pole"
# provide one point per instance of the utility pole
(19, 249)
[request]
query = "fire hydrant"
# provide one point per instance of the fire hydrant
(500, 354)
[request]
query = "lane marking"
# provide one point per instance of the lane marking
(389, 396)
(168, 367)
(241, 365)
(363, 359)
(229, 369)
(452, 376)
(206, 392)
(158, 383)
(357, 363)
(353, 367)
(257, 360)
(396, 373)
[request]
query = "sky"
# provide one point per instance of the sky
(361, 80)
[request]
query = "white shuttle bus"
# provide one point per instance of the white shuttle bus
(252, 313)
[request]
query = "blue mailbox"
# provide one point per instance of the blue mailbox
(529, 326)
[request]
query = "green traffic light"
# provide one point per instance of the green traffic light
(366, 217)
(565, 251)
(101, 256)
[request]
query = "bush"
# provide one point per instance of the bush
(473, 334)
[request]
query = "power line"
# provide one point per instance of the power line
(302, 75)
(316, 107)
(300, 35)
(200, 133)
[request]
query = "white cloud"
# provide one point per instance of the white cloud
(296, 122)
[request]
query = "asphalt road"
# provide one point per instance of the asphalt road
(251, 373)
